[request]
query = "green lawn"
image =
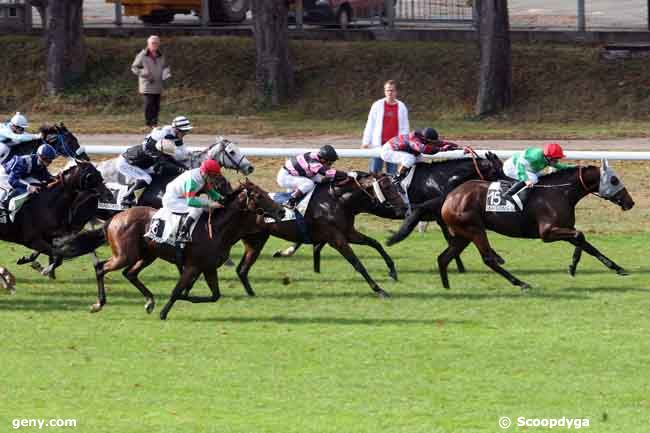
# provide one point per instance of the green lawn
(321, 354)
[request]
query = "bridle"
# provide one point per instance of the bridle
(584, 184)
(224, 154)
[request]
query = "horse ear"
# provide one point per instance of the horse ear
(604, 165)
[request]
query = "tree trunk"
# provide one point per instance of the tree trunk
(274, 78)
(66, 49)
(495, 80)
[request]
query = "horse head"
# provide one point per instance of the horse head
(228, 154)
(379, 187)
(610, 187)
(84, 177)
(491, 167)
(254, 199)
(63, 141)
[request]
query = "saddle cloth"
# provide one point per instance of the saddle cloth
(495, 201)
(290, 215)
(119, 191)
(165, 226)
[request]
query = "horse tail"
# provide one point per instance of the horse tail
(82, 243)
(405, 229)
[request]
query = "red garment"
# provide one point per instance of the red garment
(413, 145)
(390, 124)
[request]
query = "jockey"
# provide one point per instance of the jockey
(20, 167)
(180, 127)
(182, 194)
(13, 132)
(137, 159)
(526, 167)
(407, 150)
(301, 173)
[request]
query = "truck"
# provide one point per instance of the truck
(163, 11)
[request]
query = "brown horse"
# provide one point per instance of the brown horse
(549, 215)
(330, 219)
(210, 246)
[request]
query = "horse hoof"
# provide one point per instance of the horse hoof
(47, 272)
(250, 293)
(393, 275)
(572, 272)
(149, 306)
(277, 254)
(95, 308)
(36, 266)
(525, 286)
(22, 261)
(382, 294)
(622, 272)
(163, 315)
(500, 260)
(229, 262)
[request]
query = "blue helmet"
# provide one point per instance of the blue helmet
(47, 152)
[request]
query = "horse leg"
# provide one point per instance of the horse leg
(101, 269)
(28, 259)
(253, 248)
(54, 262)
(483, 245)
(187, 279)
(131, 274)
(288, 252)
(212, 278)
(577, 254)
(456, 246)
(355, 237)
(580, 242)
(317, 249)
(342, 246)
(447, 235)
(577, 238)
(406, 228)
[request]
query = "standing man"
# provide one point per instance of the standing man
(388, 118)
(151, 68)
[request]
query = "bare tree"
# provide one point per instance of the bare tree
(273, 72)
(495, 80)
(66, 48)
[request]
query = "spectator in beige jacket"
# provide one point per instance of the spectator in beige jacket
(151, 68)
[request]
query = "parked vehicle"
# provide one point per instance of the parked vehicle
(338, 12)
(163, 11)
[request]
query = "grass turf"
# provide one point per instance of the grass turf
(321, 354)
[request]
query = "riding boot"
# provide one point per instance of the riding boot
(397, 180)
(184, 232)
(129, 198)
(516, 193)
(293, 201)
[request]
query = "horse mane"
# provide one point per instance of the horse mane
(562, 176)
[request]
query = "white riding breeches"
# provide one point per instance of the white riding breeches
(132, 172)
(291, 183)
(405, 159)
(179, 205)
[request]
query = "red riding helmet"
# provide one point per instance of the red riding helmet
(210, 167)
(553, 151)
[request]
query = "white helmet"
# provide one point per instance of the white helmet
(182, 123)
(19, 120)
(166, 146)
(4, 152)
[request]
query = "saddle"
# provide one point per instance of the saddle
(165, 227)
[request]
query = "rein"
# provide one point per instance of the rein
(474, 156)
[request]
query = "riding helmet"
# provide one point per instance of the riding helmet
(19, 120)
(46, 152)
(553, 151)
(182, 123)
(327, 153)
(210, 167)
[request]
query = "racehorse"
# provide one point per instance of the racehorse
(224, 151)
(329, 218)
(57, 136)
(50, 214)
(548, 215)
(210, 246)
(430, 185)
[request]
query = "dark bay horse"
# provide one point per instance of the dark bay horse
(329, 219)
(210, 245)
(50, 213)
(549, 215)
(57, 136)
(430, 185)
